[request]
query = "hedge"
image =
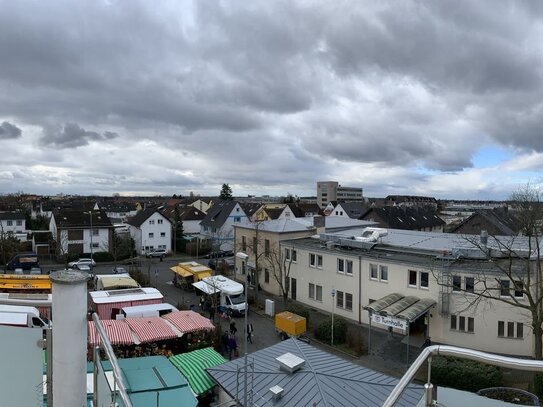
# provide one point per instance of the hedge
(324, 330)
(464, 374)
(300, 310)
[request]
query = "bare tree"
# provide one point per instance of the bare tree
(257, 247)
(509, 270)
(279, 264)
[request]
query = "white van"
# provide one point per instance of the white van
(231, 292)
(150, 310)
(15, 315)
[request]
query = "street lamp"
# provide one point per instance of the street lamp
(243, 257)
(333, 292)
(91, 233)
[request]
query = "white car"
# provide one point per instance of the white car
(82, 262)
(156, 253)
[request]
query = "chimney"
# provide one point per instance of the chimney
(484, 238)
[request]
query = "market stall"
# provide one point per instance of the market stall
(189, 321)
(152, 329)
(118, 332)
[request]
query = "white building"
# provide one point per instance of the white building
(79, 232)
(150, 230)
(13, 223)
(435, 276)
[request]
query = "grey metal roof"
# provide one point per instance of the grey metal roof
(324, 380)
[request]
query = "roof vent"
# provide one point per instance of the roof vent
(290, 363)
(277, 392)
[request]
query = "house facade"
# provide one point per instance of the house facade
(13, 223)
(150, 230)
(218, 225)
(77, 232)
(440, 271)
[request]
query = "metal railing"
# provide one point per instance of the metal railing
(117, 373)
(445, 350)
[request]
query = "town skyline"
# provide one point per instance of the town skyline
(137, 98)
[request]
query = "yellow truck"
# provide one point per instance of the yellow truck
(189, 272)
(288, 324)
(25, 283)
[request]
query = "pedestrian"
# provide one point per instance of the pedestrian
(250, 332)
(233, 329)
(212, 313)
(224, 343)
(202, 302)
(232, 346)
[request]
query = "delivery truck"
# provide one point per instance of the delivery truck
(23, 261)
(230, 293)
(23, 316)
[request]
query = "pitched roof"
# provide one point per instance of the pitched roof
(142, 216)
(186, 213)
(280, 225)
(12, 216)
(274, 213)
(405, 217)
(309, 208)
(249, 208)
(65, 218)
(353, 209)
(218, 213)
(505, 222)
(324, 379)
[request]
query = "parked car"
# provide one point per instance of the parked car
(156, 253)
(218, 254)
(120, 270)
(82, 262)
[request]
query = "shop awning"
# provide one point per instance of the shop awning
(206, 288)
(409, 308)
(151, 329)
(193, 364)
(181, 271)
(188, 321)
(118, 332)
(201, 275)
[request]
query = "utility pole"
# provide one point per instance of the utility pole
(333, 292)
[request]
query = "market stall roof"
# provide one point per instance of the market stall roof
(117, 282)
(118, 332)
(202, 274)
(206, 288)
(193, 364)
(189, 321)
(181, 271)
(396, 305)
(151, 329)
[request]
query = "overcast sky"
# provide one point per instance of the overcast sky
(439, 98)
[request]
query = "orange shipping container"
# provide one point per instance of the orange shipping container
(291, 324)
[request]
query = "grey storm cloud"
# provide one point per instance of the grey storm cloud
(295, 86)
(9, 131)
(71, 135)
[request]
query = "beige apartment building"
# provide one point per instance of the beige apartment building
(424, 283)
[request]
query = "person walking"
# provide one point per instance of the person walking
(250, 332)
(232, 346)
(233, 329)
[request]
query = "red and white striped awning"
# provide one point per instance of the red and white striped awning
(118, 332)
(151, 329)
(189, 321)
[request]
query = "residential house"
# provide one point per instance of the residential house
(406, 218)
(41, 242)
(189, 215)
(498, 221)
(435, 275)
(307, 209)
(353, 210)
(150, 230)
(118, 212)
(274, 211)
(77, 232)
(329, 208)
(14, 224)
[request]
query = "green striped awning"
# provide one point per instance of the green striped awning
(193, 364)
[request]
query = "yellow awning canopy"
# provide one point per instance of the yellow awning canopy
(201, 275)
(181, 271)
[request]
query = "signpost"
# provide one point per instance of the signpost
(333, 292)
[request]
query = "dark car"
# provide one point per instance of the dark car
(219, 254)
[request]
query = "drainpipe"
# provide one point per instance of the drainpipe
(359, 289)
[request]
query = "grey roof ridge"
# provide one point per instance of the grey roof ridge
(315, 376)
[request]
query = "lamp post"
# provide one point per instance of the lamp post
(243, 257)
(91, 233)
(333, 292)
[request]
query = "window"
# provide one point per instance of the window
(243, 243)
(19, 223)
(511, 331)
(267, 248)
(319, 261)
(162, 234)
(318, 295)
(95, 232)
(266, 276)
(339, 299)
(383, 273)
(373, 271)
(293, 256)
(160, 221)
(348, 301)
(287, 254)
(10, 223)
(312, 260)
(453, 322)
(519, 289)
(457, 283)
(412, 278)
(237, 219)
(162, 246)
(349, 269)
(462, 323)
(151, 235)
(424, 279)
(505, 288)
(471, 324)
(340, 266)
(95, 245)
(470, 284)
(151, 222)
(312, 291)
